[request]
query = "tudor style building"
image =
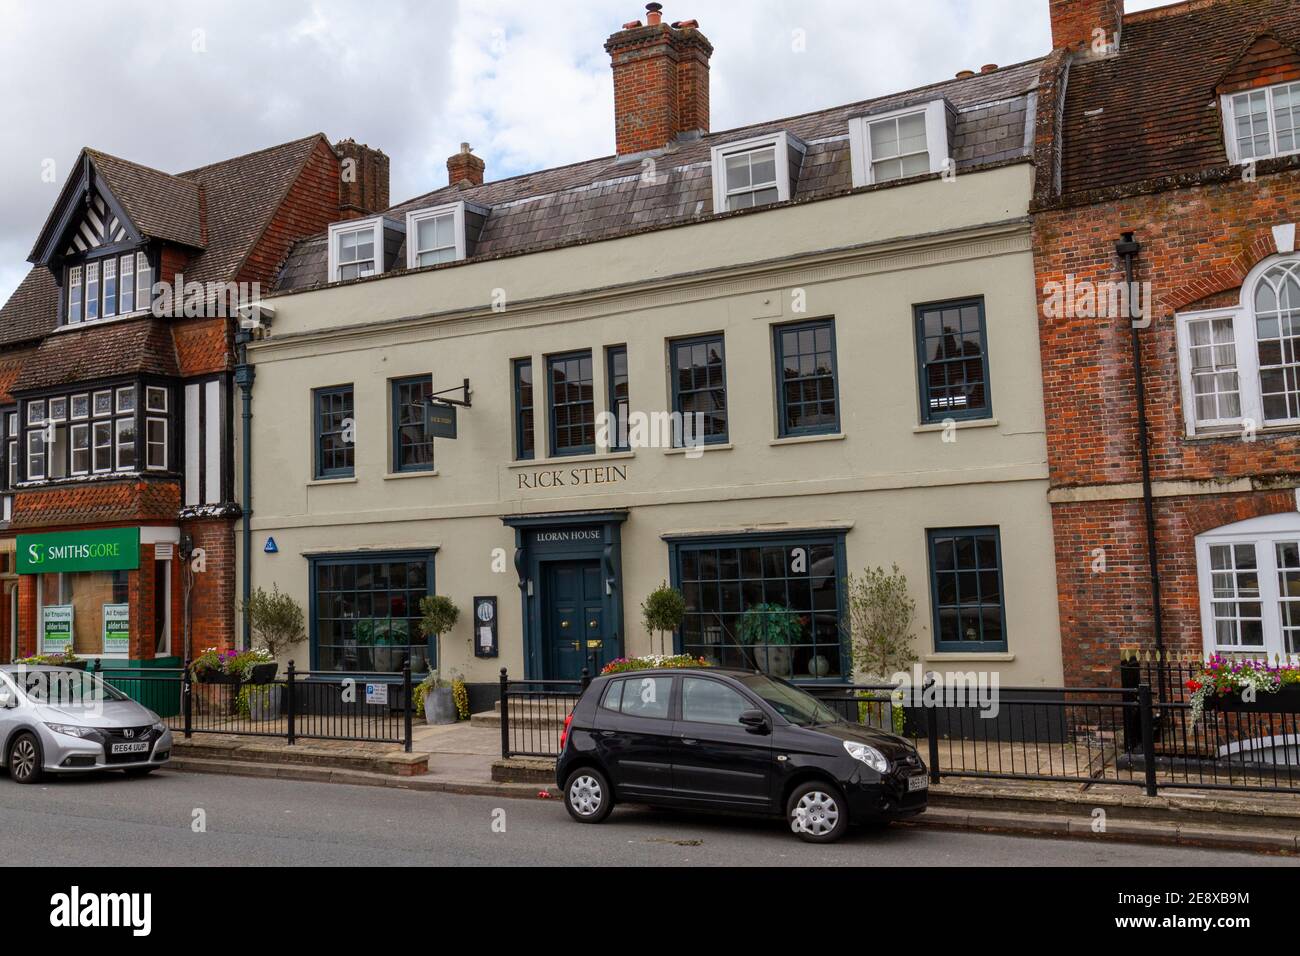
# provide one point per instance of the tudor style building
(844, 298)
(1180, 141)
(116, 399)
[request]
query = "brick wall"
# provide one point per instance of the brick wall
(213, 598)
(310, 205)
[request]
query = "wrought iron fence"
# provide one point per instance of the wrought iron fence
(533, 714)
(301, 705)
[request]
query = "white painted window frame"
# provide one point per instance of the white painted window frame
(1264, 533)
(148, 445)
(1248, 380)
(936, 138)
(413, 219)
(338, 229)
(1229, 112)
(779, 141)
(85, 430)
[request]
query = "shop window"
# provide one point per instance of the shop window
(412, 445)
(772, 603)
(805, 362)
(966, 590)
(523, 388)
(366, 613)
(334, 432)
(571, 391)
(952, 352)
(82, 596)
(699, 377)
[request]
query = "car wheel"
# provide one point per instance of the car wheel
(139, 771)
(25, 759)
(817, 812)
(588, 796)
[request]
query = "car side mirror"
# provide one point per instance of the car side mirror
(755, 721)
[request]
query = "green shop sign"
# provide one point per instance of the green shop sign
(109, 549)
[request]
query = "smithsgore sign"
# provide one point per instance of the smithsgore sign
(105, 549)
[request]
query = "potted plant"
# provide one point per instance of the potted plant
(439, 615)
(61, 659)
(1226, 684)
(276, 621)
(773, 627)
(663, 610)
(881, 613)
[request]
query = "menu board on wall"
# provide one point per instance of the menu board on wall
(56, 628)
(117, 629)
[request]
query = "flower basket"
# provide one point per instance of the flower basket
(217, 677)
(1286, 700)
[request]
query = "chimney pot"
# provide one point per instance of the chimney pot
(988, 67)
(965, 74)
(654, 16)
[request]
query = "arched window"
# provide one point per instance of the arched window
(1249, 575)
(1240, 365)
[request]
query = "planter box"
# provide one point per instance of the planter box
(215, 677)
(1285, 701)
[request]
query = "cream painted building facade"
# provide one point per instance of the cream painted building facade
(866, 360)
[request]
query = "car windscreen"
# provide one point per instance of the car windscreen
(795, 705)
(64, 687)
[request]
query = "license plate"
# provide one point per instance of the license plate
(918, 783)
(138, 748)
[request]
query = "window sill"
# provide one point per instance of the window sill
(320, 482)
(1002, 657)
(1234, 433)
(571, 459)
(101, 321)
(717, 446)
(400, 475)
(806, 439)
(958, 423)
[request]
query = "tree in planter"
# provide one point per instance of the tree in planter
(276, 619)
(881, 614)
(663, 610)
(439, 616)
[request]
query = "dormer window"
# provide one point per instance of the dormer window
(356, 249)
(900, 143)
(435, 235)
(106, 287)
(92, 291)
(1263, 123)
(754, 172)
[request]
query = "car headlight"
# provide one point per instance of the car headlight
(72, 730)
(159, 727)
(870, 756)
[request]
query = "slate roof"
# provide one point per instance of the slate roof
(237, 198)
(1159, 112)
(99, 350)
(604, 198)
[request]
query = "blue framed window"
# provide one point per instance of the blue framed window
(570, 389)
(966, 589)
(952, 353)
(616, 379)
(412, 446)
(775, 601)
(523, 386)
(699, 376)
(334, 424)
(806, 378)
(365, 612)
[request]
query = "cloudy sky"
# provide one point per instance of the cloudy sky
(177, 84)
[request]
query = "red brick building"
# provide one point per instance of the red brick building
(116, 397)
(1178, 127)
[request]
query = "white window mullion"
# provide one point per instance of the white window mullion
(1252, 404)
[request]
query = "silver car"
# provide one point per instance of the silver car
(64, 720)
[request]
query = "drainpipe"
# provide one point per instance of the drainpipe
(244, 375)
(1127, 248)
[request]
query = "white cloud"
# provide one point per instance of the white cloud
(528, 84)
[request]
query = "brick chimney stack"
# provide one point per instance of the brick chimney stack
(465, 168)
(363, 179)
(1075, 23)
(661, 81)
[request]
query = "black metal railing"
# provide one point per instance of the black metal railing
(301, 705)
(533, 714)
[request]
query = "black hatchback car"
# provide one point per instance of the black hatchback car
(733, 740)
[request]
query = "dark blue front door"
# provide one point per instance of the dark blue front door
(574, 619)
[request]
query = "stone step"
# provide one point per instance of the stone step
(492, 718)
(394, 762)
(524, 770)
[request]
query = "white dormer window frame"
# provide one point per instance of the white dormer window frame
(1231, 103)
(779, 142)
(339, 230)
(936, 141)
(456, 211)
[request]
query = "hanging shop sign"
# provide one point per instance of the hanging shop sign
(56, 628)
(439, 420)
(117, 628)
(103, 549)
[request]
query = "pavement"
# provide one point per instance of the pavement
(184, 819)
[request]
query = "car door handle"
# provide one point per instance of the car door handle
(689, 741)
(607, 733)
